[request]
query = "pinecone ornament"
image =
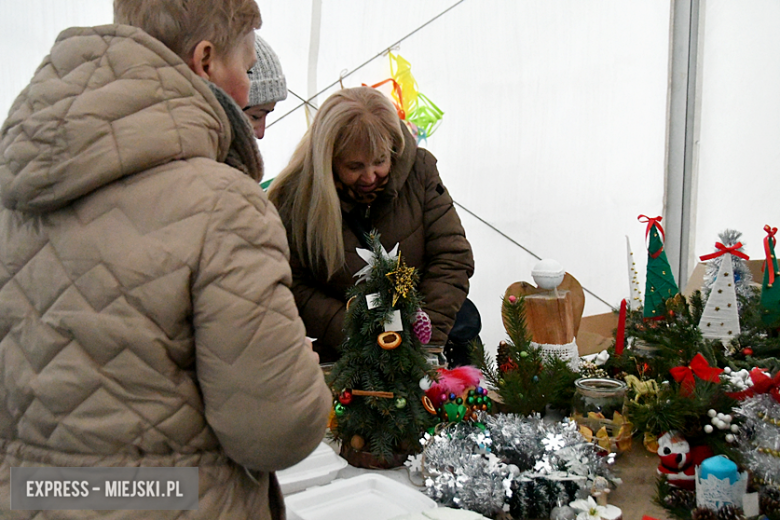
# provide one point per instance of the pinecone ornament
(422, 326)
(769, 502)
(704, 513)
(730, 512)
(678, 497)
(505, 363)
(502, 356)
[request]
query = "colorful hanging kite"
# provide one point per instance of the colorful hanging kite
(419, 113)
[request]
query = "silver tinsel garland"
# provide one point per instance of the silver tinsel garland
(508, 462)
(759, 440)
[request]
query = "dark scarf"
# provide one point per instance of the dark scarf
(243, 153)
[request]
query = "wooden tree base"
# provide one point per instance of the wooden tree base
(364, 459)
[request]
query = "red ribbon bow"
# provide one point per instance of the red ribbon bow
(699, 367)
(650, 222)
(768, 251)
(762, 384)
(722, 250)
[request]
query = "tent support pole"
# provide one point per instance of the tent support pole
(314, 57)
(682, 139)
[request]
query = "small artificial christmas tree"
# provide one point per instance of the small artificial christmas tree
(635, 301)
(660, 280)
(770, 289)
(379, 409)
(525, 380)
(720, 318)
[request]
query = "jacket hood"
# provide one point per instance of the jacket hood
(402, 165)
(107, 102)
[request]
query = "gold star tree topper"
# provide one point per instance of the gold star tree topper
(402, 278)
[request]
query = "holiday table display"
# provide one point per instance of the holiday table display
(524, 466)
(379, 405)
(686, 361)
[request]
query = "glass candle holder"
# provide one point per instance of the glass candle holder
(600, 395)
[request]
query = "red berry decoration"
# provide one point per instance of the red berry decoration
(345, 397)
(747, 351)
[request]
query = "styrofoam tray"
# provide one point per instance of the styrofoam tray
(320, 467)
(366, 496)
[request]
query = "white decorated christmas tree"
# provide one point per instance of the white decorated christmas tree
(635, 300)
(743, 278)
(720, 319)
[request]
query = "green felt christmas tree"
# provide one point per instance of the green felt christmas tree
(660, 284)
(379, 409)
(770, 289)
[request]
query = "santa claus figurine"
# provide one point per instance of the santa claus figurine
(679, 459)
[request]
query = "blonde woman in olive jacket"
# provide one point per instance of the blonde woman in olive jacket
(146, 317)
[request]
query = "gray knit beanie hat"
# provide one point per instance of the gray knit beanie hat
(267, 82)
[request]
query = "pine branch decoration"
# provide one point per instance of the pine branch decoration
(524, 380)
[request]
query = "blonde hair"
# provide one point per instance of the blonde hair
(182, 24)
(305, 191)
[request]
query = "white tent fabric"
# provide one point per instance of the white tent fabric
(739, 136)
(555, 115)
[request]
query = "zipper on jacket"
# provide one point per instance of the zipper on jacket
(368, 212)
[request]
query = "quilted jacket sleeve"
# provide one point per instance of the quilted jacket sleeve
(322, 313)
(264, 393)
(449, 262)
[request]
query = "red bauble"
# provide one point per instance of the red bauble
(747, 351)
(345, 397)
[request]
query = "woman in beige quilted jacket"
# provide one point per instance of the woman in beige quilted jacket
(358, 169)
(146, 317)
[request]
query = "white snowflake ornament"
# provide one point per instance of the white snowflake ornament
(553, 442)
(414, 463)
